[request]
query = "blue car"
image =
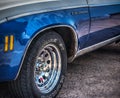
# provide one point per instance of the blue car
(39, 37)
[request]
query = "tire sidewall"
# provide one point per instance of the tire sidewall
(48, 38)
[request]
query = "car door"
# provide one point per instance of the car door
(105, 20)
(81, 21)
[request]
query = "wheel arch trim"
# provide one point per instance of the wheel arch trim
(43, 30)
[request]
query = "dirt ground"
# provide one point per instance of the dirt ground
(93, 75)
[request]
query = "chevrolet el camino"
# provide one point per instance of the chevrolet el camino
(39, 37)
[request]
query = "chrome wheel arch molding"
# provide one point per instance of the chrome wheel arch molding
(70, 59)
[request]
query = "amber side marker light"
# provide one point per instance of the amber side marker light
(9, 43)
(6, 43)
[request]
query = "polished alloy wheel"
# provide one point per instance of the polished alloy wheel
(47, 68)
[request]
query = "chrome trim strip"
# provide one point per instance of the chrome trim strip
(75, 37)
(96, 46)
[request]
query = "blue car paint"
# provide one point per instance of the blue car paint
(100, 15)
(104, 11)
(95, 37)
(25, 28)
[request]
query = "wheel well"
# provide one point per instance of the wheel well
(69, 38)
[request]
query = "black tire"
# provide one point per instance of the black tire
(27, 85)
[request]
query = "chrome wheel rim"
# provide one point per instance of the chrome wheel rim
(47, 68)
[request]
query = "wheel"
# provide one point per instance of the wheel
(43, 70)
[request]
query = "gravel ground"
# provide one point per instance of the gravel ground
(93, 75)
